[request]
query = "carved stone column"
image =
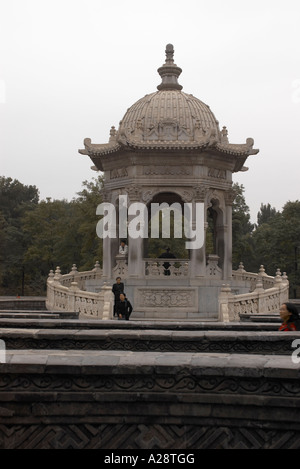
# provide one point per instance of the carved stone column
(229, 198)
(135, 245)
(107, 263)
(198, 256)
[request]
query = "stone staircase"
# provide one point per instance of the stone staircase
(70, 382)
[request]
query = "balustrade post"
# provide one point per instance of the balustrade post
(50, 291)
(71, 296)
(278, 279)
(284, 289)
(57, 275)
(259, 290)
(97, 268)
(224, 296)
(107, 302)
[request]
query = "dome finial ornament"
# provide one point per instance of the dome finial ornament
(169, 54)
(169, 72)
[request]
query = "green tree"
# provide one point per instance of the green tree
(276, 243)
(16, 199)
(265, 213)
(86, 204)
(47, 227)
(242, 249)
(61, 234)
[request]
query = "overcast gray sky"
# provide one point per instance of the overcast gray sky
(69, 69)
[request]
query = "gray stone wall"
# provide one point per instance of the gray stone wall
(127, 385)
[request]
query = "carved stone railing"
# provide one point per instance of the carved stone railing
(166, 267)
(63, 294)
(80, 277)
(67, 292)
(251, 278)
(258, 301)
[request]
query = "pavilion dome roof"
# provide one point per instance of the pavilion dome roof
(168, 119)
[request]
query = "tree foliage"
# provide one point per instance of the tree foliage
(16, 199)
(277, 243)
(242, 228)
(265, 214)
(38, 236)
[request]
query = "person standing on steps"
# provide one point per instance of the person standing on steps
(124, 308)
(117, 289)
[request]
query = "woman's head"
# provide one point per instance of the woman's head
(288, 312)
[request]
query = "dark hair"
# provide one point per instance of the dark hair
(293, 310)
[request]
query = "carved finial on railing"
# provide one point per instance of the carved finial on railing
(74, 269)
(285, 279)
(241, 267)
(262, 271)
(259, 282)
(278, 278)
(97, 266)
(51, 275)
(57, 274)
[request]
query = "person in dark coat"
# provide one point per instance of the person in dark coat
(167, 255)
(117, 289)
(124, 308)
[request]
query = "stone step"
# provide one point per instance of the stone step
(151, 340)
(261, 317)
(67, 322)
(29, 315)
(35, 314)
(24, 303)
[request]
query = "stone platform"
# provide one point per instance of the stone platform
(147, 385)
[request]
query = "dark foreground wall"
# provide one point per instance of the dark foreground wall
(148, 400)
